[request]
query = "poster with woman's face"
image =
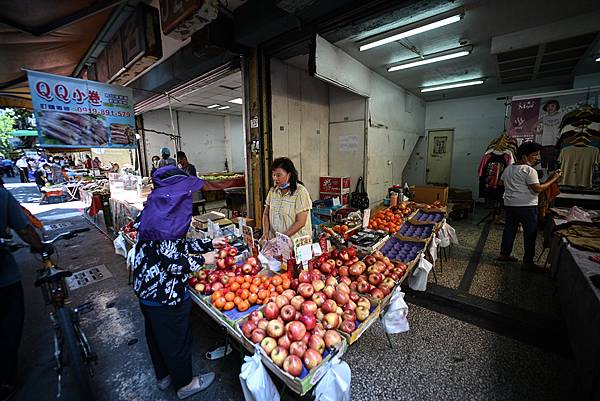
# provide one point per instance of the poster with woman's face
(539, 119)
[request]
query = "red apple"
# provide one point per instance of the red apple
(339, 263)
(369, 260)
(268, 344)
(346, 281)
(192, 281)
(232, 251)
(284, 342)
(294, 284)
(247, 268)
(304, 277)
(353, 286)
(319, 330)
(319, 315)
(326, 267)
(298, 348)
(332, 338)
(271, 310)
(257, 336)
(289, 294)
(343, 271)
(340, 297)
(262, 324)
(386, 289)
(229, 261)
(329, 306)
(293, 365)
(389, 282)
(223, 254)
(314, 275)
(201, 275)
(309, 321)
(318, 298)
(312, 358)
(200, 287)
(328, 291)
(306, 338)
(361, 313)
(297, 302)
(296, 330)
(331, 321)
(287, 313)
(297, 315)
(375, 278)
(348, 326)
(252, 260)
(351, 305)
(306, 290)
(224, 280)
(363, 287)
(377, 293)
(217, 286)
(317, 343)
(351, 252)
(331, 281)
(275, 328)
(318, 285)
(278, 355)
(281, 301)
(309, 307)
(354, 296)
(349, 315)
(248, 327)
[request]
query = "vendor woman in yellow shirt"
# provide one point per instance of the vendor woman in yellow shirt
(288, 204)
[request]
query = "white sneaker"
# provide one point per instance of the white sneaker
(204, 381)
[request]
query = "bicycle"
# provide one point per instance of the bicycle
(72, 350)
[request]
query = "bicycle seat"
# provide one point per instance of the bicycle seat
(51, 274)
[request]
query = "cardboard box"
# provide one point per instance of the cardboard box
(329, 184)
(344, 197)
(430, 194)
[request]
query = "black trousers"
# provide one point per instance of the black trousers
(24, 174)
(12, 313)
(528, 217)
(169, 338)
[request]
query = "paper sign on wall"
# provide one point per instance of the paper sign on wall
(348, 143)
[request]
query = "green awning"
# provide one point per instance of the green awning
(24, 132)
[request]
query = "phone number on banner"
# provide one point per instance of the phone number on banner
(103, 112)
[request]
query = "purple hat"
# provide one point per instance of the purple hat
(168, 211)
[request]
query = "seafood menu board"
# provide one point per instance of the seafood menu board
(77, 113)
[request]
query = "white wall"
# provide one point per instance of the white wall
(584, 81)
(476, 121)
(203, 138)
(300, 122)
(346, 121)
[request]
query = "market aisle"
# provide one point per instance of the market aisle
(440, 358)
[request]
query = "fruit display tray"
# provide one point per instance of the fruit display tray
(427, 217)
(416, 231)
(203, 301)
(300, 385)
(394, 254)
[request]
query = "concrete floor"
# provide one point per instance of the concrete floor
(440, 358)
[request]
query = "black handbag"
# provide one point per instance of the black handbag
(359, 199)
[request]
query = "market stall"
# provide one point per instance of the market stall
(299, 313)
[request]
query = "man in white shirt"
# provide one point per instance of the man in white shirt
(23, 167)
(521, 189)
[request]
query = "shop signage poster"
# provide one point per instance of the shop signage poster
(539, 118)
(523, 118)
(248, 236)
(76, 113)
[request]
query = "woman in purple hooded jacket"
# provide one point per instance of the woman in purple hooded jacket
(164, 257)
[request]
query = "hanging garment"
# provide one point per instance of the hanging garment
(545, 198)
(489, 180)
(577, 164)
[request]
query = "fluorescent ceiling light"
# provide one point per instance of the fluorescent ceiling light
(449, 56)
(223, 108)
(452, 86)
(212, 106)
(237, 100)
(411, 32)
(598, 58)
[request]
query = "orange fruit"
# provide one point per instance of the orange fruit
(234, 287)
(217, 294)
(279, 289)
(262, 294)
(286, 283)
(228, 306)
(252, 299)
(248, 278)
(246, 285)
(237, 300)
(245, 294)
(276, 281)
(239, 279)
(253, 289)
(220, 303)
(257, 281)
(229, 297)
(243, 306)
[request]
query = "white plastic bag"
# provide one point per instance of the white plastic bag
(395, 319)
(418, 280)
(447, 235)
(120, 246)
(433, 246)
(130, 258)
(335, 384)
(256, 382)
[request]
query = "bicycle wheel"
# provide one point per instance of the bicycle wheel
(72, 355)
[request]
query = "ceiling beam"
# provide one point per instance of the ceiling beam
(63, 21)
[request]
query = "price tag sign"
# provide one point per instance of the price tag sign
(304, 253)
(366, 218)
(316, 249)
(336, 202)
(284, 246)
(248, 236)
